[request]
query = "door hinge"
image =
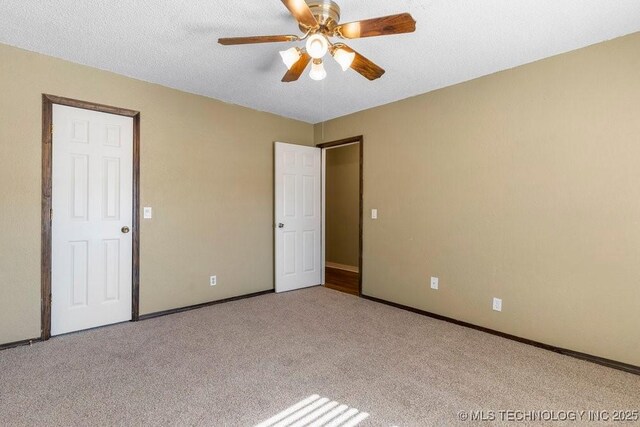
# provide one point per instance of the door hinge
(51, 128)
(50, 214)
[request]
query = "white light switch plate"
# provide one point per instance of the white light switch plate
(148, 213)
(374, 213)
(434, 283)
(497, 304)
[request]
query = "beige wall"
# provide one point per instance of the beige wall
(523, 185)
(343, 205)
(206, 169)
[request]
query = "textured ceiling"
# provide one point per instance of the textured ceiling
(173, 43)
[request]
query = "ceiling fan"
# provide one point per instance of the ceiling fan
(319, 22)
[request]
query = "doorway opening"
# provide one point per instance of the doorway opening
(342, 194)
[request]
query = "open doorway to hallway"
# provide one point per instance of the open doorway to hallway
(343, 215)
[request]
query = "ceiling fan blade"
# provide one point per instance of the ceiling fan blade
(363, 65)
(256, 39)
(297, 69)
(386, 25)
(300, 10)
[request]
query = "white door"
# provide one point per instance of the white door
(92, 192)
(298, 217)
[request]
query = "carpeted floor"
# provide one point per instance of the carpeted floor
(244, 362)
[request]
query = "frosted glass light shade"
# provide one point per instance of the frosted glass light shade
(317, 46)
(290, 56)
(344, 58)
(317, 71)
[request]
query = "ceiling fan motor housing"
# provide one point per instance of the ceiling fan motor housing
(326, 12)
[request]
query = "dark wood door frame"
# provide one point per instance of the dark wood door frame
(47, 169)
(360, 140)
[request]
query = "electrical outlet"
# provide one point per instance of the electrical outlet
(497, 304)
(434, 283)
(213, 281)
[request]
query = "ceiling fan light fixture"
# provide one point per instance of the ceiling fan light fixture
(290, 56)
(317, 46)
(319, 21)
(343, 57)
(317, 70)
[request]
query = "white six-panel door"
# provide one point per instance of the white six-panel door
(298, 217)
(91, 203)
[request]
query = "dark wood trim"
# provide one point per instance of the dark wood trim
(135, 271)
(69, 102)
(361, 225)
(576, 354)
(9, 345)
(204, 304)
(45, 244)
(47, 169)
(352, 140)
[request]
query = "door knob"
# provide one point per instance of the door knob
(280, 225)
(125, 229)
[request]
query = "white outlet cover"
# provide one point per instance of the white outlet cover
(148, 213)
(213, 280)
(374, 213)
(434, 283)
(497, 304)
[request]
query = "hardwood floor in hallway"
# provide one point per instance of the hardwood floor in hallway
(342, 280)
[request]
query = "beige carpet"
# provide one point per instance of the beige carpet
(244, 362)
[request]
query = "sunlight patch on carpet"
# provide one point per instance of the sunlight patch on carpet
(316, 411)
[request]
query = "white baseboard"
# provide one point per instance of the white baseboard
(344, 267)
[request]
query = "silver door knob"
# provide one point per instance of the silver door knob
(125, 229)
(280, 225)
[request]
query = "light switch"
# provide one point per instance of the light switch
(374, 213)
(148, 213)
